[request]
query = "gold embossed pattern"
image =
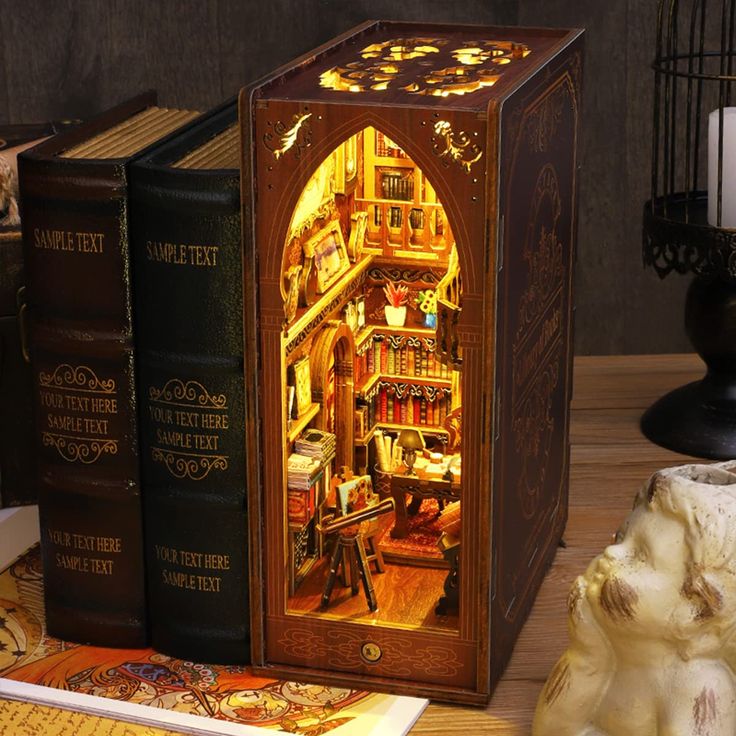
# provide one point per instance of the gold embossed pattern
(449, 145)
(189, 424)
(78, 409)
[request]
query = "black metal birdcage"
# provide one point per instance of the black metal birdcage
(688, 227)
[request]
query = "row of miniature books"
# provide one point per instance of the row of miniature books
(411, 357)
(135, 215)
(386, 405)
(46, 681)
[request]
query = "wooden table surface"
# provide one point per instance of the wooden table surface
(610, 459)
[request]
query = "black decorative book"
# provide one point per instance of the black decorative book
(185, 229)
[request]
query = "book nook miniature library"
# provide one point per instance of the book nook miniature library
(409, 199)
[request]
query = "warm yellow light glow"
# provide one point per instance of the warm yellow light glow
(421, 234)
(471, 56)
(381, 63)
(370, 52)
(343, 80)
(401, 53)
(390, 144)
(398, 50)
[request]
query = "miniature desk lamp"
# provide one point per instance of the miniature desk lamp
(688, 228)
(411, 441)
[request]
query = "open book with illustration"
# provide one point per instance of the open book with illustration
(145, 687)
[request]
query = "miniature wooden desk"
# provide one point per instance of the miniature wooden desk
(422, 485)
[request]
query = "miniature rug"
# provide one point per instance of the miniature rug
(143, 677)
(421, 542)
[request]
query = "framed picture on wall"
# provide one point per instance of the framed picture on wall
(292, 291)
(350, 315)
(328, 254)
(358, 225)
(360, 311)
(303, 385)
(346, 165)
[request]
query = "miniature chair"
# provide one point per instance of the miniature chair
(449, 544)
(338, 504)
(454, 424)
(354, 528)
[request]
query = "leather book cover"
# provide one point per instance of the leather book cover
(17, 476)
(73, 193)
(185, 241)
(17, 462)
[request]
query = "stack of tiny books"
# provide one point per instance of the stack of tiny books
(316, 443)
(302, 470)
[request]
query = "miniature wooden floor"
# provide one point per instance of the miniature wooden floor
(610, 460)
(406, 594)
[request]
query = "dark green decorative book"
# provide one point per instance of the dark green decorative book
(74, 214)
(185, 231)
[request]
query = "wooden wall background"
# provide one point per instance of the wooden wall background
(72, 58)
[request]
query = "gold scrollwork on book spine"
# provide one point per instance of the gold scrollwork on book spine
(76, 378)
(194, 467)
(176, 391)
(79, 411)
(79, 449)
(454, 146)
(189, 423)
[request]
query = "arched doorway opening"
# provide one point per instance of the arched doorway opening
(332, 360)
(372, 386)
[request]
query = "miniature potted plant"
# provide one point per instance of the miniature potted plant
(426, 302)
(395, 310)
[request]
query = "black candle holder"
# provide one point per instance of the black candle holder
(694, 66)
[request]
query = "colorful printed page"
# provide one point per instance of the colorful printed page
(147, 688)
(30, 719)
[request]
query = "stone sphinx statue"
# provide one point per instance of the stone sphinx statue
(652, 621)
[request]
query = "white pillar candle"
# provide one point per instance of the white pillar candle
(728, 176)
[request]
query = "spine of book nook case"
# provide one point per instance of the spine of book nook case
(188, 299)
(74, 215)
